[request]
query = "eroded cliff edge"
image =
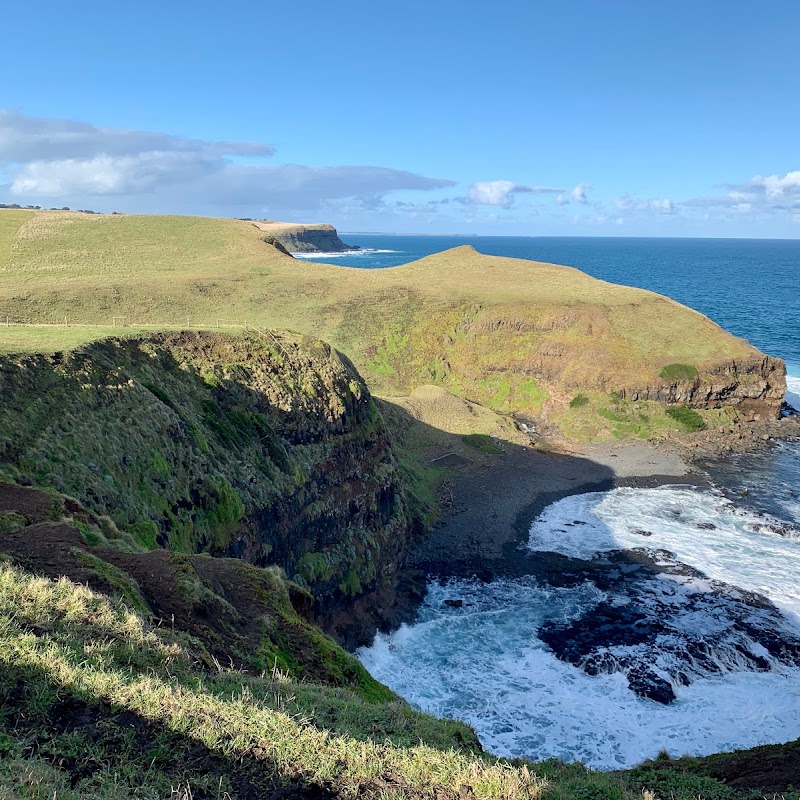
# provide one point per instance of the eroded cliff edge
(264, 447)
(306, 238)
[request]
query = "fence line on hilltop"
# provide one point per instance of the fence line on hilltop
(15, 320)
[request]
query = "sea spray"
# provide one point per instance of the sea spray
(702, 529)
(485, 662)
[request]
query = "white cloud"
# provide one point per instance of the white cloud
(110, 175)
(775, 187)
(501, 193)
(655, 205)
(662, 205)
(76, 161)
(579, 195)
(301, 187)
(773, 194)
(711, 201)
(493, 193)
(24, 139)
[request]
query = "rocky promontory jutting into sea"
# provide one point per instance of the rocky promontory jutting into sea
(275, 519)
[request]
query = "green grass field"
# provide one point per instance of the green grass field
(513, 335)
(97, 701)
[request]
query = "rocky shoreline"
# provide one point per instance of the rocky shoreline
(702, 446)
(489, 511)
(491, 505)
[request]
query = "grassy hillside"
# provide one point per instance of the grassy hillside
(148, 683)
(514, 335)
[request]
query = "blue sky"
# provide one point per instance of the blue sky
(582, 117)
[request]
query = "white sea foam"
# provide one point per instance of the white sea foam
(346, 254)
(701, 528)
(793, 390)
(483, 663)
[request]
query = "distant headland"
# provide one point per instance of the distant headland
(303, 238)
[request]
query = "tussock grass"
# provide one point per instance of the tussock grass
(95, 701)
(66, 641)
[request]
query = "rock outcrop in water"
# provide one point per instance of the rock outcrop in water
(664, 625)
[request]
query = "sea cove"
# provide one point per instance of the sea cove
(717, 556)
(400, 401)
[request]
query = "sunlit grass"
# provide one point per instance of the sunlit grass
(506, 332)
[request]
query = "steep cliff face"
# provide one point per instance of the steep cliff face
(318, 238)
(754, 387)
(268, 448)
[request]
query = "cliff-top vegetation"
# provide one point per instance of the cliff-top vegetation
(513, 335)
(150, 686)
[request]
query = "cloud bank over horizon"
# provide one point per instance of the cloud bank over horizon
(48, 161)
(64, 159)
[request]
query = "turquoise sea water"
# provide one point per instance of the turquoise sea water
(484, 661)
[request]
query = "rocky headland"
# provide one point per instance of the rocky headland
(304, 238)
(241, 506)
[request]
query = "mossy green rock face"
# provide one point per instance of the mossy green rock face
(261, 446)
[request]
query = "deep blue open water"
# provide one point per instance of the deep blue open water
(738, 544)
(749, 286)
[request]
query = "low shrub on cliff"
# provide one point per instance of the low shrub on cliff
(679, 372)
(687, 417)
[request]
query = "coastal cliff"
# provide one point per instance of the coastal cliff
(203, 500)
(306, 238)
(574, 357)
(266, 447)
(754, 387)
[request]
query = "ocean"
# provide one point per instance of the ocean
(749, 286)
(712, 592)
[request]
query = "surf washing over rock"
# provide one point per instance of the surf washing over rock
(676, 626)
(793, 391)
